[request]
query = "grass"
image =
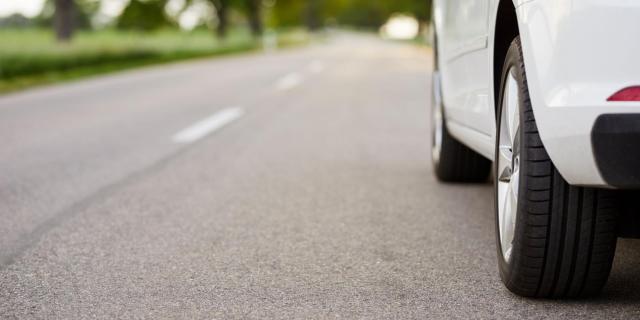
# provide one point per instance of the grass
(31, 57)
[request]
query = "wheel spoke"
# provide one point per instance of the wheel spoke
(513, 106)
(504, 164)
(506, 219)
(513, 196)
(515, 183)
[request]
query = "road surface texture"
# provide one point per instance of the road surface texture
(294, 184)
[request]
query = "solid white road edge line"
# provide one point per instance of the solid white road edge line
(208, 125)
(289, 81)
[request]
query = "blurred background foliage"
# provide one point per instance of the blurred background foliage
(365, 14)
(150, 15)
(72, 38)
(143, 16)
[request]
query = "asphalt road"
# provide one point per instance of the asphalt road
(294, 184)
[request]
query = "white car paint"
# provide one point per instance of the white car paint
(577, 53)
(463, 35)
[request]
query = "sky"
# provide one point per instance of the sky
(32, 8)
(29, 8)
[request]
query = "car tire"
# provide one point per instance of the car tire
(563, 237)
(452, 160)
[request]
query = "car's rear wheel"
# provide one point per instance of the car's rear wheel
(452, 160)
(554, 240)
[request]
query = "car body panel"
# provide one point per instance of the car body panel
(463, 45)
(576, 53)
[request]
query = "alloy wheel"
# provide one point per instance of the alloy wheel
(508, 164)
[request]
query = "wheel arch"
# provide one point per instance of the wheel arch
(505, 30)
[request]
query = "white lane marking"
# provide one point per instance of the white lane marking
(289, 81)
(208, 125)
(316, 66)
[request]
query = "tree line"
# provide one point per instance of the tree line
(68, 15)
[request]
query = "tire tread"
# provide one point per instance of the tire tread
(571, 254)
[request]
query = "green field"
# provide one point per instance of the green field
(32, 57)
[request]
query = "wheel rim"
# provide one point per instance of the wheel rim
(508, 164)
(437, 124)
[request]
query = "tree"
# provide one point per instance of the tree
(63, 19)
(358, 13)
(313, 14)
(221, 8)
(291, 13)
(418, 8)
(254, 14)
(66, 16)
(222, 12)
(143, 16)
(252, 8)
(288, 13)
(15, 20)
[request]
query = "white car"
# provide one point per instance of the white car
(544, 96)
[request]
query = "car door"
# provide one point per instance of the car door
(465, 65)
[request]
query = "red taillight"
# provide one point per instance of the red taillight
(626, 94)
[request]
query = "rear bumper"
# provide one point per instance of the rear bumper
(616, 148)
(577, 54)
